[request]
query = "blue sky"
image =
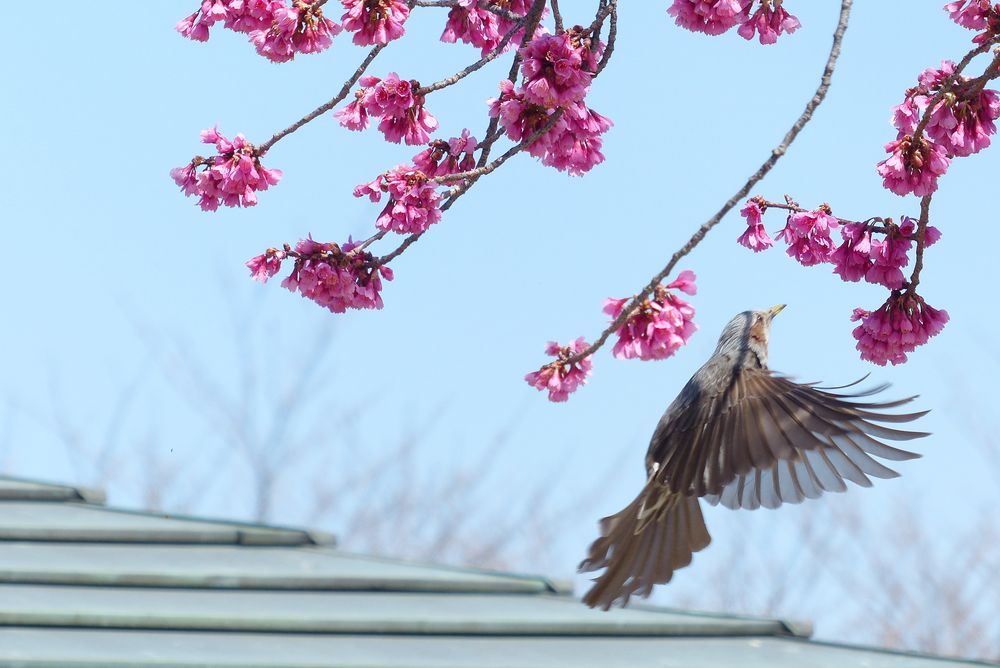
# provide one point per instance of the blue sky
(105, 257)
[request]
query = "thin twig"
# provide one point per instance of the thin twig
(493, 9)
(322, 109)
(369, 241)
(598, 21)
(795, 208)
(918, 264)
(612, 36)
(557, 16)
(461, 74)
(780, 150)
(462, 189)
(486, 169)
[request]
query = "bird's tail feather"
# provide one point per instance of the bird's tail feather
(643, 544)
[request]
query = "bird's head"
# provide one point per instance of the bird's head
(748, 333)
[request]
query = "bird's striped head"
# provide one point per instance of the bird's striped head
(746, 335)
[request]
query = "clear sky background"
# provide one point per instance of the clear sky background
(108, 265)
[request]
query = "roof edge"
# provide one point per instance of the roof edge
(51, 491)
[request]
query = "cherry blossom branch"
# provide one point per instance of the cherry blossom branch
(776, 154)
(322, 109)
(612, 38)
(600, 18)
(473, 176)
(918, 264)
(486, 169)
(483, 167)
(795, 208)
(493, 9)
(489, 57)
(556, 15)
(947, 85)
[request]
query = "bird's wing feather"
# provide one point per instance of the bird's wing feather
(755, 438)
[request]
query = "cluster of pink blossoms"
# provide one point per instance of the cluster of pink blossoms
(375, 21)
(959, 125)
(232, 177)
(277, 30)
(878, 260)
(902, 323)
(658, 326)
(573, 144)
(807, 234)
(396, 102)
(755, 237)
(336, 277)
(483, 29)
(441, 157)
(714, 17)
(874, 250)
(559, 377)
(557, 71)
(976, 15)
(413, 200)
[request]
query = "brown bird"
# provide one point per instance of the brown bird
(744, 436)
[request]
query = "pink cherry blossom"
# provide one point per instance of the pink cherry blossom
(908, 228)
(852, 259)
(196, 26)
(755, 237)
(557, 70)
(976, 15)
(412, 127)
(337, 277)
(560, 377)
(912, 168)
(447, 157)
(266, 265)
(375, 21)
(397, 103)
(296, 29)
(896, 328)
(961, 123)
(807, 234)
(889, 255)
(277, 30)
(685, 282)
(657, 327)
(413, 200)
(769, 22)
(472, 25)
(469, 23)
(712, 17)
(573, 144)
(389, 96)
(970, 14)
(353, 116)
(519, 118)
(245, 16)
(232, 177)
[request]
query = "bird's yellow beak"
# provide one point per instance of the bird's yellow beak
(776, 309)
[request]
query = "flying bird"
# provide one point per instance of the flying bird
(744, 436)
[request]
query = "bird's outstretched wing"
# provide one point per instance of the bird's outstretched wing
(758, 439)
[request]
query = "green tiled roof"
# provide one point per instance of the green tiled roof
(86, 585)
